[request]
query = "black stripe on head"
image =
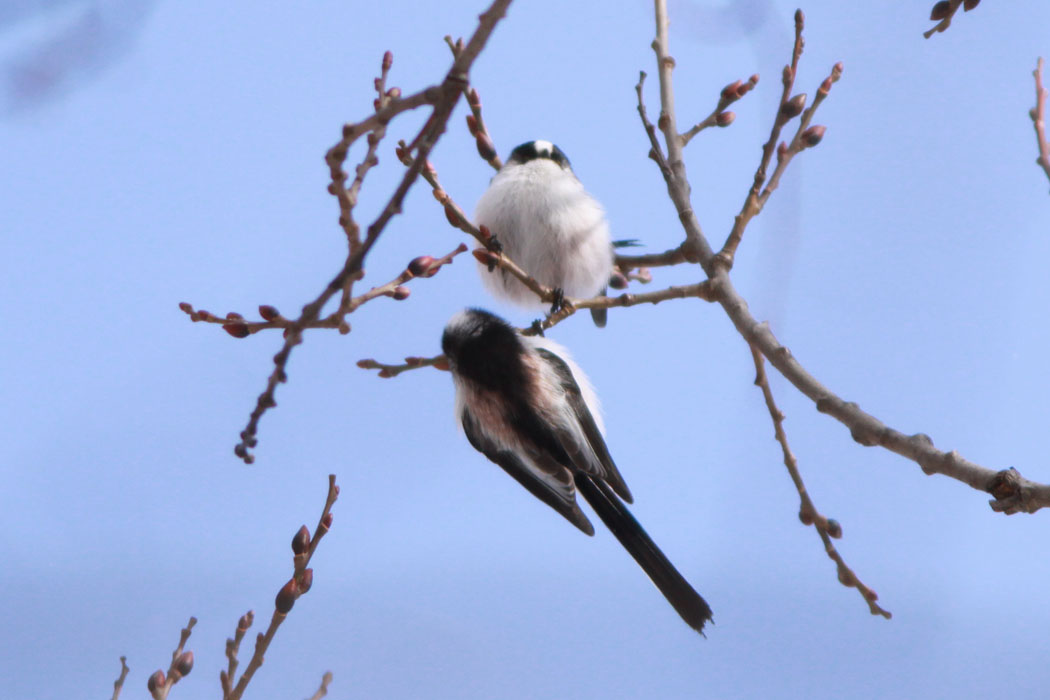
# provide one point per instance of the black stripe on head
(539, 149)
(485, 349)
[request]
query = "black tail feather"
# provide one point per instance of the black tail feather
(679, 593)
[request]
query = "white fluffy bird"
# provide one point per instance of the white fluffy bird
(549, 225)
(525, 405)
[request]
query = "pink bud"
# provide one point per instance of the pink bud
(185, 307)
(813, 135)
(237, 330)
(419, 266)
(729, 92)
(388, 60)
(834, 529)
(970, 4)
(184, 664)
(724, 118)
(301, 541)
(486, 149)
(286, 597)
(401, 293)
(155, 682)
(472, 125)
(306, 579)
(268, 312)
(793, 107)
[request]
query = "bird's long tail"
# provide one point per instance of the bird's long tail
(679, 593)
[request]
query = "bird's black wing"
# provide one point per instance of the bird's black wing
(553, 486)
(679, 593)
(591, 457)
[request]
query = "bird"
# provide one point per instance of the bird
(527, 406)
(549, 225)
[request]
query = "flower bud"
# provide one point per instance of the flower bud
(301, 541)
(401, 293)
(813, 135)
(286, 597)
(451, 217)
(484, 257)
(388, 60)
(268, 312)
(246, 621)
(724, 118)
(394, 93)
(306, 579)
(825, 87)
(185, 307)
(486, 149)
(834, 529)
(184, 664)
(344, 328)
(473, 98)
(793, 107)
(155, 682)
(970, 4)
(419, 266)
(203, 315)
(237, 330)
(326, 521)
(472, 125)
(234, 316)
(806, 516)
(940, 10)
(729, 92)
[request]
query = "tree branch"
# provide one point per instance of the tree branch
(1011, 492)
(450, 91)
(1038, 115)
(807, 512)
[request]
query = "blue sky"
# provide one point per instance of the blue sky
(180, 158)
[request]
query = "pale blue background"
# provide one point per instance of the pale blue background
(157, 152)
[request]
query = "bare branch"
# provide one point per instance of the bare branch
(323, 689)
(450, 91)
(1011, 492)
(1038, 115)
(119, 683)
(808, 513)
(701, 290)
(303, 546)
(159, 684)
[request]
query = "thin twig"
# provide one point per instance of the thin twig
(323, 689)
(119, 683)
(1038, 115)
(1011, 492)
(808, 513)
(752, 204)
(475, 122)
(450, 91)
(701, 290)
(300, 583)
